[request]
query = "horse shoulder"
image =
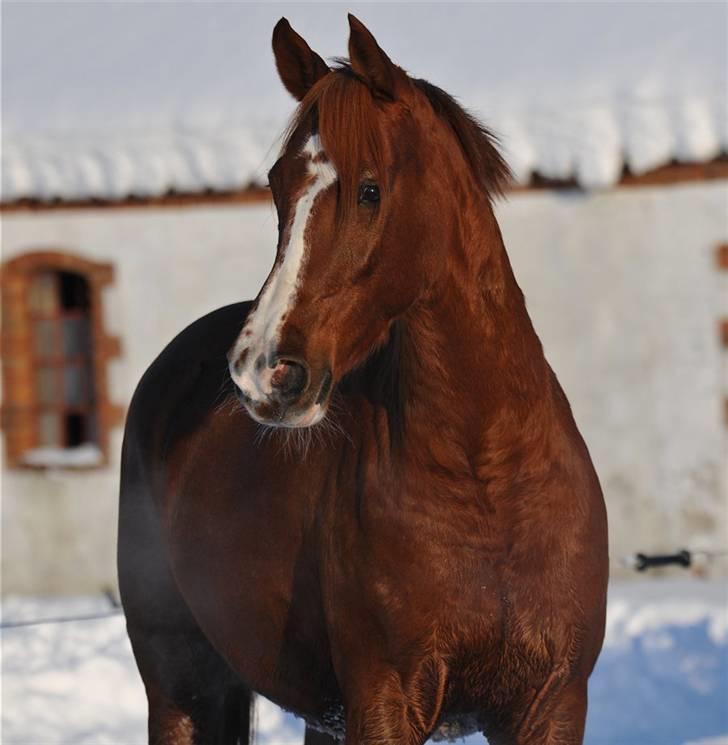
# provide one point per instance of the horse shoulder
(169, 384)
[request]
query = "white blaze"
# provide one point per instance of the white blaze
(261, 331)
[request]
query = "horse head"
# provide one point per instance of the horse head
(369, 165)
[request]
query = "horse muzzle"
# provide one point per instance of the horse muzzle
(281, 391)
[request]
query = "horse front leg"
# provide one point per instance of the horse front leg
(314, 737)
(557, 719)
(396, 707)
(192, 696)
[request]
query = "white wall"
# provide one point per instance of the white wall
(625, 293)
(623, 290)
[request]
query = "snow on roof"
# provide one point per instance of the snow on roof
(108, 100)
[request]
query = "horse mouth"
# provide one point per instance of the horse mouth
(300, 414)
(270, 416)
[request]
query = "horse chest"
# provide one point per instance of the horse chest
(416, 575)
(284, 583)
(396, 546)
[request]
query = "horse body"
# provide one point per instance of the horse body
(436, 562)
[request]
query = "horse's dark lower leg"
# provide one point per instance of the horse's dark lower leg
(208, 724)
(314, 737)
(193, 698)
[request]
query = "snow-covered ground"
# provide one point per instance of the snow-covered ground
(662, 678)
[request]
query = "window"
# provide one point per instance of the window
(55, 408)
(63, 359)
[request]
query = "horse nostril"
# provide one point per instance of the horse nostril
(289, 380)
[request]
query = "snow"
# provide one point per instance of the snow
(76, 457)
(662, 678)
(115, 99)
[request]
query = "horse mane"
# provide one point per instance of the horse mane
(342, 110)
(478, 143)
(380, 378)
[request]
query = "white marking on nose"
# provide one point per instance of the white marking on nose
(260, 334)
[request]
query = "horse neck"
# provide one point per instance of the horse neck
(472, 359)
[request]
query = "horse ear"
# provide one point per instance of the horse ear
(298, 65)
(370, 62)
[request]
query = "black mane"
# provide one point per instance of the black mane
(381, 380)
(478, 143)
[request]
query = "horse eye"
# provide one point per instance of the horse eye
(368, 194)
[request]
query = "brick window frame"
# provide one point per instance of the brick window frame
(19, 416)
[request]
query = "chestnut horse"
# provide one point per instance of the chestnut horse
(428, 555)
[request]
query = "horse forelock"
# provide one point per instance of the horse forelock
(351, 125)
(341, 111)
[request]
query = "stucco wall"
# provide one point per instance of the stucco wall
(626, 296)
(623, 290)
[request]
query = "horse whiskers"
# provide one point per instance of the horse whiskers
(297, 442)
(221, 402)
(332, 423)
(220, 407)
(225, 397)
(263, 433)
